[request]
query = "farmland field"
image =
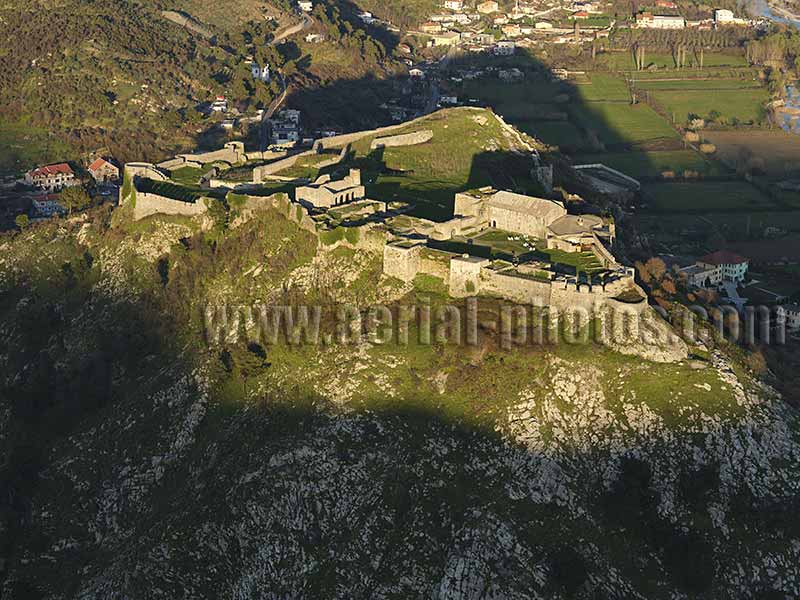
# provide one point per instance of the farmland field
(742, 104)
(605, 87)
(779, 150)
(672, 83)
(650, 164)
(620, 123)
(700, 197)
(624, 60)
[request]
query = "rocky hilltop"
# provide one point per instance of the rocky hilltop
(145, 458)
(143, 463)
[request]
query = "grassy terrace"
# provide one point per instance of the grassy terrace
(189, 176)
(495, 243)
(469, 149)
(176, 191)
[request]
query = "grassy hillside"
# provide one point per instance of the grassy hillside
(119, 76)
(147, 462)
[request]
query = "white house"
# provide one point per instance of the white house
(51, 177)
(46, 205)
(220, 104)
(723, 15)
(260, 73)
(489, 7)
(792, 314)
(713, 269)
(454, 4)
(305, 5)
(650, 21)
(505, 48)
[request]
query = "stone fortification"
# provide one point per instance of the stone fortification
(405, 139)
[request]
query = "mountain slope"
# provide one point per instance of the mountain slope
(145, 463)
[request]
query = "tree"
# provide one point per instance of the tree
(22, 221)
(74, 198)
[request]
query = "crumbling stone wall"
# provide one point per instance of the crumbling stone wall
(401, 261)
(405, 139)
(151, 204)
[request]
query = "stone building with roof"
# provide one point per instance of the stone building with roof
(326, 193)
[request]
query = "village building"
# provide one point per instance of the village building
(489, 7)
(260, 73)
(103, 171)
(326, 193)
(505, 48)
(791, 313)
(446, 38)
(430, 27)
(454, 4)
(714, 269)
(731, 266)
(305, 5)
(51, 177)
(511, 30)
(220, 104)
(648, 20)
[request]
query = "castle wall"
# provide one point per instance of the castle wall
(150, 204)
(401, 262)
(465, 275)
(145, 170)
(515, 288)
(518, 222)
(437, 267)
(405, 139)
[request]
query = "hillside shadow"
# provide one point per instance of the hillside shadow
(352, 499)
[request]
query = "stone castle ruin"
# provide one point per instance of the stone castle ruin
(407, 252)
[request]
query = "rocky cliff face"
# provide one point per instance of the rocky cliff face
(165, 468)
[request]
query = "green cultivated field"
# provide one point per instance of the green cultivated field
(603, 87)
(619, 123)
(623, 61)
(671, 83)
(742, 104)
(705, 197)
(650, 164)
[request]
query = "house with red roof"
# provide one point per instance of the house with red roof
(51, 177)
(730, 265)
(103, 171)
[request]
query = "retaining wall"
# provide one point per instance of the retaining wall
(405, 139)
(151, 204)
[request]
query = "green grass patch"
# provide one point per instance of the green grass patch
(698, 197)
(602, 86)
(23, 147)
(745, 105)
(620, 123)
